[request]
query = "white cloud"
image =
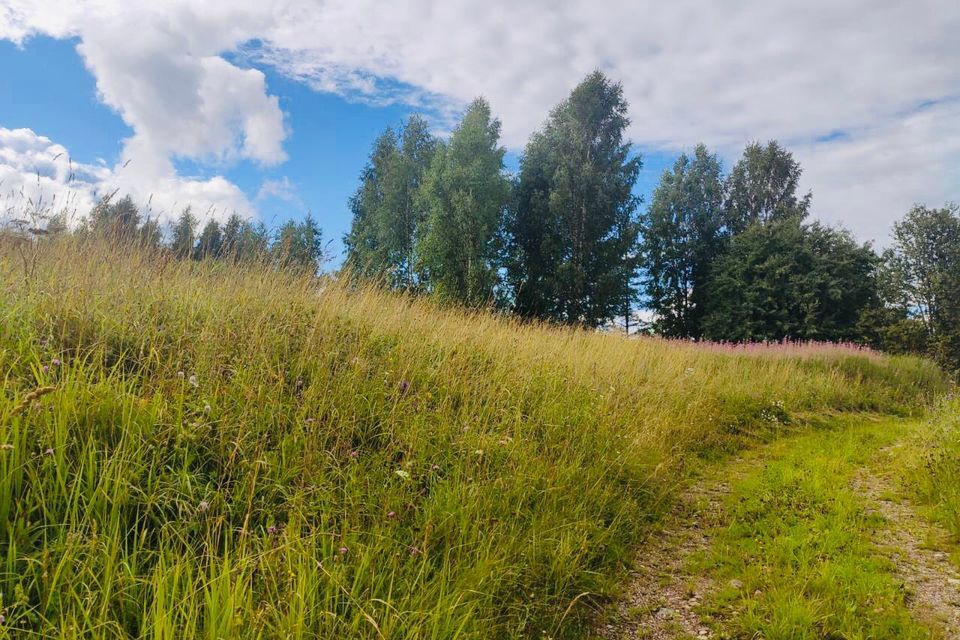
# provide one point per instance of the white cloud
(37, 174)
(723, 73)
(281, 189)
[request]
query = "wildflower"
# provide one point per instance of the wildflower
(354, 454)
(404, 386)
(55, 362)
(310, 421)
(46, 368)
(206, 407)
(403, 474)
(414, 551)
(180, 374)
(434, 467)
(193, 381)
(391, 514)
(203, 506)
(48, 451)
(342, 551)
(271, 530)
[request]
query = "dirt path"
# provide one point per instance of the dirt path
(910, 540)
(664, 597)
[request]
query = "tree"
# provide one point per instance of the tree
(117, 219)
(682, 235)
(382, 239)
(762, 188)
(573, 232)
(786, 279)
(182, 234)
(150, 234)
(209, 245)
(464, 194)
(366, 253)
(926, 260)
(299, 245)
(231, 241)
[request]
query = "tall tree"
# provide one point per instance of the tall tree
(299, 245)
(183, 234)
(682, 236)
(118, 219)
(233, 230)
(926, 259)
(150, 234)
(787, 279)
(366, 252)
(382, 240)
(464, 195)
(573, 233)
(209, 244)
(762, 187)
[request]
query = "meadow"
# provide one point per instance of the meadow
(209, 450)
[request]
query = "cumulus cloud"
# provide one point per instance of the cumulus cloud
(38, 175)
(723, 73)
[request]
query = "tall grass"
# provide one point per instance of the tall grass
(236, 452)
(930, 468)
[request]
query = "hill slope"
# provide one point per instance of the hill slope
(200, 450)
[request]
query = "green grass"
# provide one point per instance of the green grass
(930, 468)
(796, 556)
(236, 452)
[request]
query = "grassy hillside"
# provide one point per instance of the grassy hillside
(191, 450)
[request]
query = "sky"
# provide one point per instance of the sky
(269, 109)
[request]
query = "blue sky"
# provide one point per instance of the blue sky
(45, 87)
(270, 108)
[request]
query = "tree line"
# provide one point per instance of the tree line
(717, 256)
(295, 244)
(723, 256)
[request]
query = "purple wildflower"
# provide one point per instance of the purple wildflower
(342, 551)
(404, 386)
(354, 454)
(46, 368)
(55, 362)
(391, 514)
(49, 451)
(271, 530)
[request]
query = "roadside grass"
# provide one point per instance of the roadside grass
(796, 558)
(203, 450)
(929, 469)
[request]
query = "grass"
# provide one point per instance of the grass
(796, 558)
(930, 468)
(220, 451)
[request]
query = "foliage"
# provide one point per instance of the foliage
(386, 209)
(683, 234)
(762, 188)
(926, 260)
(787, 279)
(573, 236)
(464, 195)
(228, 450)
(183, 234)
